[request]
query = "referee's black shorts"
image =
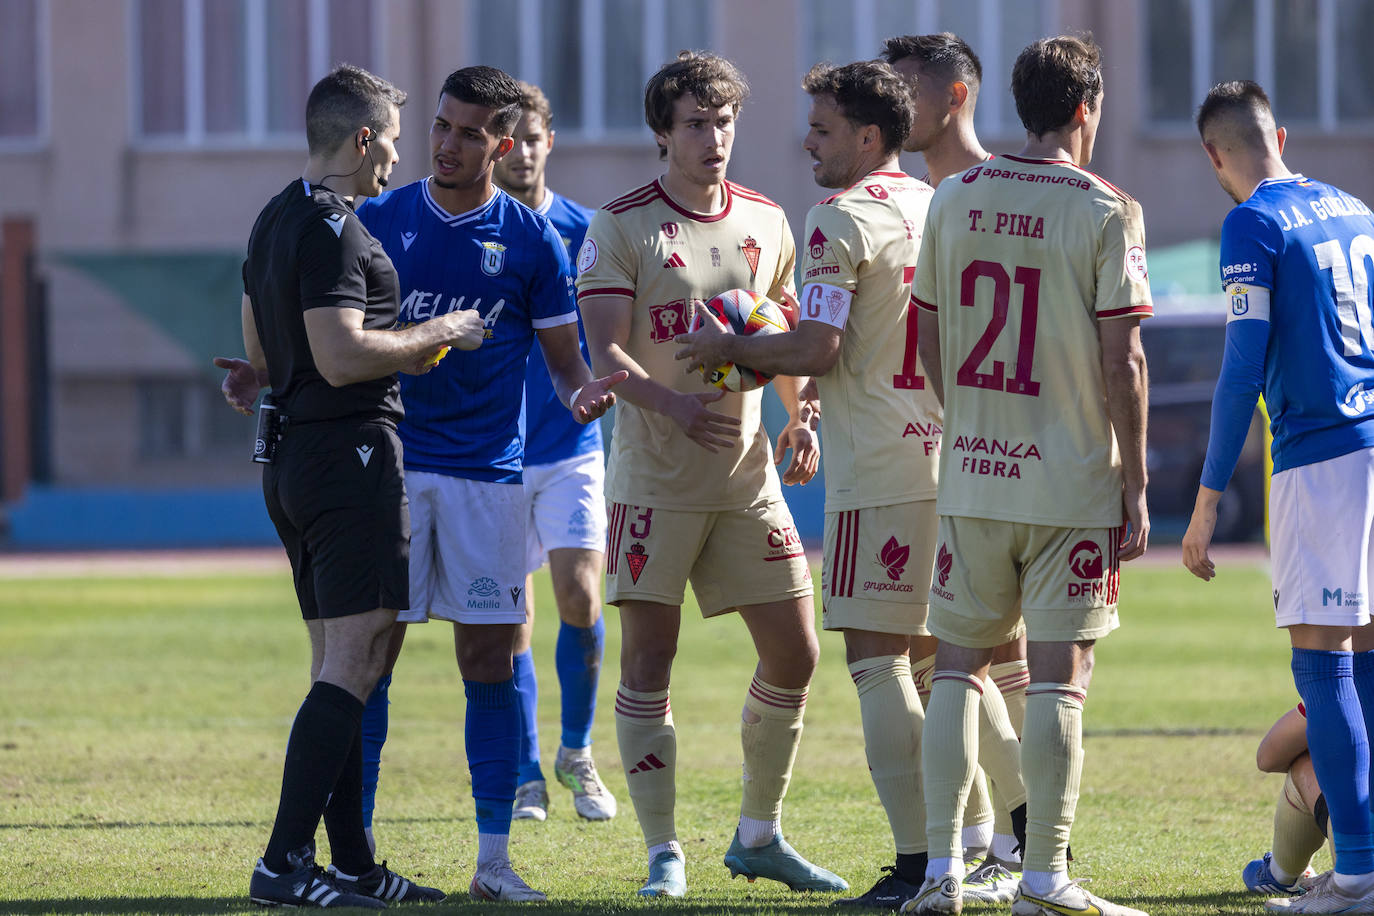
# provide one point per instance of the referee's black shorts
(336, 493)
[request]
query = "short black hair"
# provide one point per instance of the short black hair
(489, 88)
(1051, 77)
(346, 99)
(1237, 97)
(943, 55)
(867, 92)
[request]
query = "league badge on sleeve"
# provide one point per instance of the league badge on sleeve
(493, 258)
(586, 258)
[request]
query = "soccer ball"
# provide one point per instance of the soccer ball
(744, 311)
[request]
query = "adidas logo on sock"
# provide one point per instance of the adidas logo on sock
(649, 763)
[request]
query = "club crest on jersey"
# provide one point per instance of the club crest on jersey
(637, 558)
(669, 229)
(751, 251)
(493, 258)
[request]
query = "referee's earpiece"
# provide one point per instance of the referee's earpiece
(368, 139)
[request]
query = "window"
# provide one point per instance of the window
(591, 57)
(22, 88)
(1311, 56)
(186, 418)
(997, 31)
(240, 69)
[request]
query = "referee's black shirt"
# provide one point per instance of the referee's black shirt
(309, 250)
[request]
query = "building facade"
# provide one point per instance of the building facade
(139, 138)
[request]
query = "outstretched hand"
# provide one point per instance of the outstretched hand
(242, 383)
(595, 398)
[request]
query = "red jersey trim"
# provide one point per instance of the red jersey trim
(921, 303)
(610, 291)
(843, 191)
(697, 217)
(1144, 311)
(1114, 189)
(751, 194)
(632, 200)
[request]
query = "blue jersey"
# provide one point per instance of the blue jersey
(1296, 261)
(552, 433)
(465, 418)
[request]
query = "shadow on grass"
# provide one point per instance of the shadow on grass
(459, 903)
(142, 825)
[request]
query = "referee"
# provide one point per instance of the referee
(320, 301)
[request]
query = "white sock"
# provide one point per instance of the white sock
(754, 833)
(372, 841)
(1350, 885)
(1045, 883)
(976, 838)
(1279, 874)
(672, 846)
(938, 868)
(492, 847)
(1004, 848)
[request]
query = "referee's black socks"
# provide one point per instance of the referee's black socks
(324, 741)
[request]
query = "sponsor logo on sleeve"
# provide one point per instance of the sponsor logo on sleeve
(816, 244)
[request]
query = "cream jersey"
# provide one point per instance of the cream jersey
(669, 261)
(881, 430)
(1021, 258)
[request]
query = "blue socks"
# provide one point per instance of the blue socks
(527, 685)
(1339, 744)
(375, 719)
(491, 733)
(578, 659)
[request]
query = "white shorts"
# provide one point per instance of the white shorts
(1321, 517)
(567, 506)
(467, 550)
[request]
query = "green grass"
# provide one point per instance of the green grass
(142, 723)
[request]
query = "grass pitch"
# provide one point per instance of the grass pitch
(142, 724)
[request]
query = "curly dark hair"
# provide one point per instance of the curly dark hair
(712, 79)
(1051, 77)
(867, 92)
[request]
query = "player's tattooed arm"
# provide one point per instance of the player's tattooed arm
(608, 320)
